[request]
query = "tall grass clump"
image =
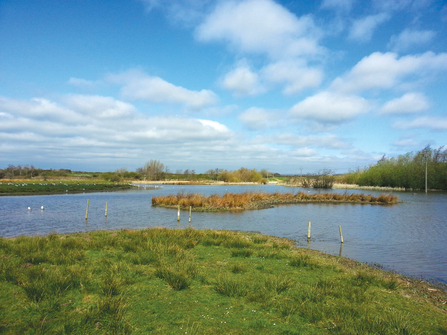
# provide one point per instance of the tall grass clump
(231, 287)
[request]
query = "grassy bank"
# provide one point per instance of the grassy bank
(259, 200)
(31, 187)
(200, 282)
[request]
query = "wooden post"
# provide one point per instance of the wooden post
(86, 212)
(341, 235)
(107, 203)
(308, 232)
(190, 215)
(178, 214)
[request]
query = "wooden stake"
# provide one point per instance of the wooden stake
(86, 212)
(178, 214)
(341, 235)
(308, 232)
(107, 203)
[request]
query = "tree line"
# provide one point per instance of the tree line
(407, 171)
(152, 170)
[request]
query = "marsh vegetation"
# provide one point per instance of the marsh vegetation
(259, 200)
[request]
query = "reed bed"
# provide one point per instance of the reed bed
(259, 200)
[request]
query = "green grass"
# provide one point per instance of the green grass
(24, 187)
(161, 281)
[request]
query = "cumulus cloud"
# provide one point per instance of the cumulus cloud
(294, 73)
(363, 29)
(410, 38)
(257, 118)
(427, 122)
(261, 26)
(242, 81)
(140, 86)
(384, 70)
(412, 102)
(328, 107)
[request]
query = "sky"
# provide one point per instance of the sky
(288, 86)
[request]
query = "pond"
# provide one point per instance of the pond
(410, 237)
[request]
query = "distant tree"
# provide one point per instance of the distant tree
(153, 170)
(265, 173)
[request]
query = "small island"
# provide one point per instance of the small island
(261, 200)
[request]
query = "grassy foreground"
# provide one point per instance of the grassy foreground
(31, 187)
(259, 200)
(187, 281)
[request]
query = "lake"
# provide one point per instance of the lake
(409, 238)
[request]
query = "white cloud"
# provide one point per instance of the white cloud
(261, 26)
(428, 122)
(89, 127)
(363, 29)
(38, 108)
(138, 85)
(242, 81)
(215, 126)
(257, 118)
(412, 102)
(304, 152)
(295, 74)
(406, 143)
(409, 38)
(384, 70)
(99, 106)
(326, 142)
(328, 107)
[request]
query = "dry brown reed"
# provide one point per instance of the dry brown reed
(258, 200)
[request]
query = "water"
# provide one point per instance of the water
(410, 238)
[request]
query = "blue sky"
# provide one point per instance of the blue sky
(288, 86)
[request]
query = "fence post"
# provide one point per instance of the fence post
(86, 212)
(341, 235)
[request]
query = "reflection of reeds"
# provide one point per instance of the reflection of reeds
(256, 200)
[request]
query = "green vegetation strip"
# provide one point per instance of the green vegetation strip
(30, 187)
(259, 200)
(185, 281)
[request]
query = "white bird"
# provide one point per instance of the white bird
(29, 208)
(42, 208)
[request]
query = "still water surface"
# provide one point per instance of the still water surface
(410, 237)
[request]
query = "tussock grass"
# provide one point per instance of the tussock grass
(259, 200)
(175, 281)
